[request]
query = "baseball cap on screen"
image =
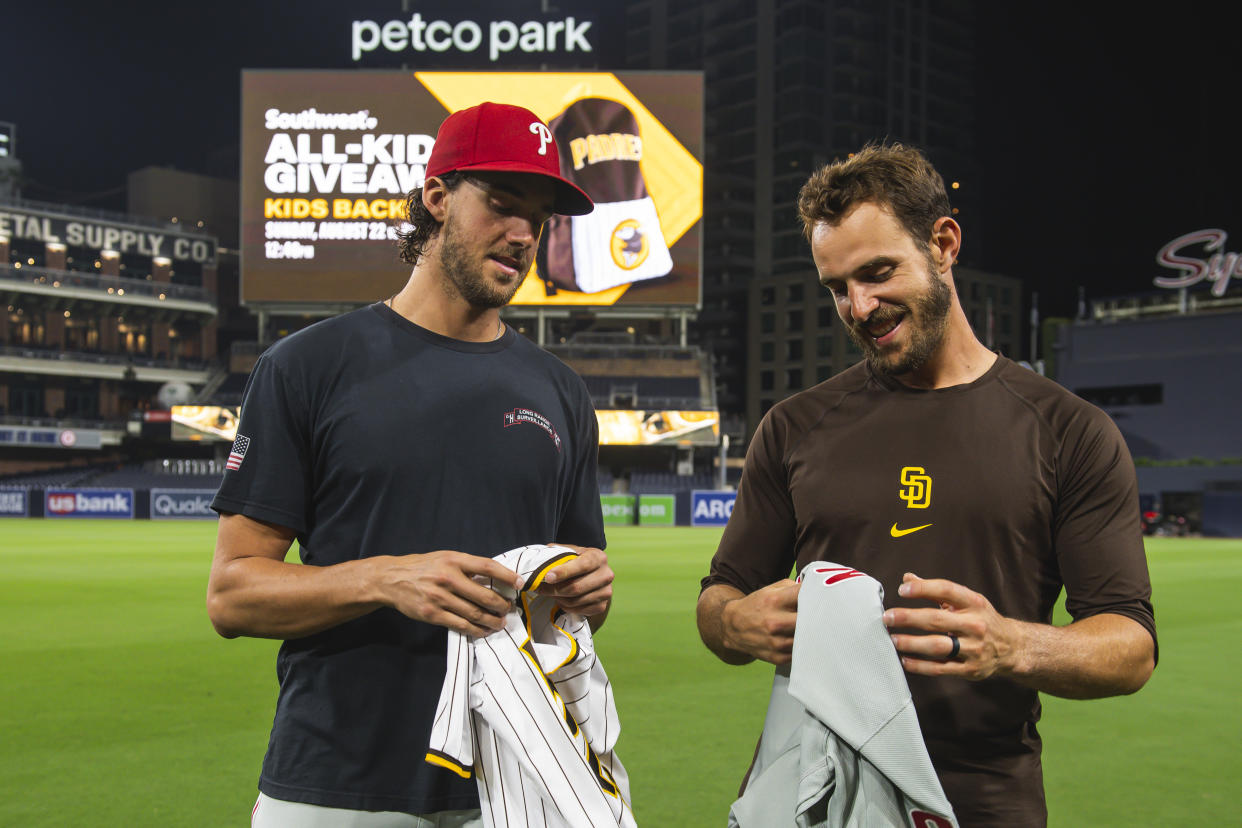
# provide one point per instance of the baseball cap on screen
(504, 138)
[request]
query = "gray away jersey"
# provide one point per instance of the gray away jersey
(841, 744)
(530, 712)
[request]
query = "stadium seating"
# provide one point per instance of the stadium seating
(668, 483)
(156, 474)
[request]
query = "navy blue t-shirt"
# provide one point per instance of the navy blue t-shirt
(368, 435)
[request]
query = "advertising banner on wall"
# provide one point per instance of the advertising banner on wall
(182, 504)
(617, 427)
(204, 422)
(328, 158)
(618, 508)
(88, 503)
(711, 508)
(14, 504)
(620, 427)
(657, 510)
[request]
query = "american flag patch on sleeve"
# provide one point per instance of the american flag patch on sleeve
(238, 453)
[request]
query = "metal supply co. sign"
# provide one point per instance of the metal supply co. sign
(1216, 268)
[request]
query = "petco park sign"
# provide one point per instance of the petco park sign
(1217, 268)
(422, 35)
(485, 34)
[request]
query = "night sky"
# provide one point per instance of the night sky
(1100, 136)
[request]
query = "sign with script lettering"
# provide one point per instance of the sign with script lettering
(1217, 268)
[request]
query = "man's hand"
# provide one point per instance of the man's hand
(1101, 655)
(985, 638)
(582, 585)
(438, 587)
(740, 628)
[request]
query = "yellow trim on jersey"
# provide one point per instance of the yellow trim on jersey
(443, 761)
(573, 642)
(537, 575)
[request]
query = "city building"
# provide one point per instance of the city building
(791, 85)
(795, 338)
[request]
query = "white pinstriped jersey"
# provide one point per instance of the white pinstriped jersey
(841, 744)
(530, 711)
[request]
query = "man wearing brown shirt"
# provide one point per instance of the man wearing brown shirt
(938, 457)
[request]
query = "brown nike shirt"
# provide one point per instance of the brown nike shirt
(1009, 485)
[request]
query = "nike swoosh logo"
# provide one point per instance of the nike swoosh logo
(897, 533)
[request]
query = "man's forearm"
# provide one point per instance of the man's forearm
(710, 614)
(265, 598)
(1103, 655)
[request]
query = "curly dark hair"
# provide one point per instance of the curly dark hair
(890, 175)
(422, 227)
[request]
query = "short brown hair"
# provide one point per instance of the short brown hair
(423, 227)
(894, 176)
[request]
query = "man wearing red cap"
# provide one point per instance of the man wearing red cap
(403, 445)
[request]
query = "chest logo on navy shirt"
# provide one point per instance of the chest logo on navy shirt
(915, 489)
(520, 416)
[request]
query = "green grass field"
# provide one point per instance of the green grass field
(122, 707)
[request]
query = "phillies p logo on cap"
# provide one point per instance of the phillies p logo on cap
(620, 242)
(504, 138)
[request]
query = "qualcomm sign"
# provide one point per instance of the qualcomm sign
(89, 503)
(1218, 268)
(182, 504)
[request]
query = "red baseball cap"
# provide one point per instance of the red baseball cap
(506, 138)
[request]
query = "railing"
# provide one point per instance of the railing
(61, 422)
(1162, 303)
(623, 351)
(246, 348)
(655, 403)
(137, 360)
(179, 466)
(112, 285)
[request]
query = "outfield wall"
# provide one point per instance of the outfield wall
(115, 503)
(697, 508)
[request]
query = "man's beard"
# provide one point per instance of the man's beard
(925, 322)
(466, 278)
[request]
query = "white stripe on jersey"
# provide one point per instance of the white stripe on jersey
(531, 712)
